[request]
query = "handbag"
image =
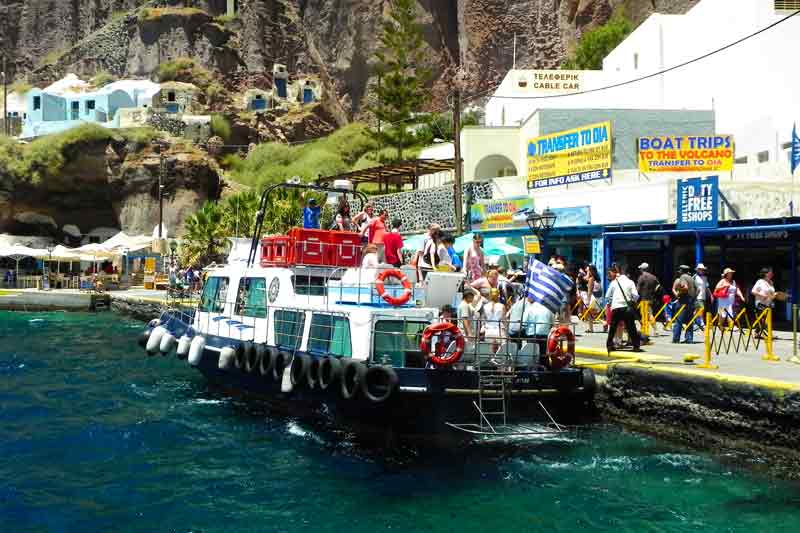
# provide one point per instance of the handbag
(632, 308)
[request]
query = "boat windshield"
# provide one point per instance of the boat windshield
(397, 341)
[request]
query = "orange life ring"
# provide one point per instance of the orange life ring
(393, 300)
(556, 356)
(437, 357)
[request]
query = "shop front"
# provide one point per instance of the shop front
(746, 246)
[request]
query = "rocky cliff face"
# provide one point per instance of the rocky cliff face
(335, 39)
(110, 184)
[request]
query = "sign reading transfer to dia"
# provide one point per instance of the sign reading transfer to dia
(692, 153)
(570, 156)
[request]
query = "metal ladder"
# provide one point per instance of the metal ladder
(494, 387)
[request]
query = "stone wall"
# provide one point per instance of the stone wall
(418, 209)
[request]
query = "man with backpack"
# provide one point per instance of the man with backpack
(685, 291)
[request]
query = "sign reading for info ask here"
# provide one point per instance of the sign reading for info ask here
(698, 202)
(694, 153)
(570, 156)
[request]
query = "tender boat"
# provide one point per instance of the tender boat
(297, 323)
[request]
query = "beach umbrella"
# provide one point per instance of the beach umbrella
(18, 252)
(499, 246)
(462, 243)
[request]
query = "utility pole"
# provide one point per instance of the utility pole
(161, 167)
(6, 125)
(458, 167)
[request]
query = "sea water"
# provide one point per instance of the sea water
(95, 436)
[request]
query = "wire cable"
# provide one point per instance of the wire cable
(642, 78)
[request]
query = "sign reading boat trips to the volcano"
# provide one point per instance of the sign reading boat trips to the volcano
(502, 214)
(571, 156)
(693, 153)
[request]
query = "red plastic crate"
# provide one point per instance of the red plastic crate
(276, 251)
(309, 246)
(344, 249)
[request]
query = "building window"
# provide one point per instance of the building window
(251, 298)
(763, 157)
(398, 341)
(787, 5)
(330, 335)
(741, 160)
(37, 103)
(288, 328)
(214, 292)
(89, 106)
(635, 61)
(171, 96)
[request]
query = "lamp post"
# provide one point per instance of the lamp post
(173, 247)
(541, 224)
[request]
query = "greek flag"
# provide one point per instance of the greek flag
(795, 148)
(547, 285)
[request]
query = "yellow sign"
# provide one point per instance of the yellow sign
(150, 264)
(531, 244)
(503, 214)
(571, 156)
(694, 153)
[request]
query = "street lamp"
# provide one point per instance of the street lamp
(173, 247)
(541, 224)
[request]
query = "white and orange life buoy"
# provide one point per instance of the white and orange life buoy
(556, 356)
(439, 357)
(388, 298)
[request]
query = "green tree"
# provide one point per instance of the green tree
(240, 214)
(403, 76)
(440, 126)
(596, 44)
(204, 235)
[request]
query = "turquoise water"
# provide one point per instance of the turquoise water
(96, 437)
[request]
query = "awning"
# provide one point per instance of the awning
(397, 174)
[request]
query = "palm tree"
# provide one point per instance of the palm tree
(240, 213)
(204, 237)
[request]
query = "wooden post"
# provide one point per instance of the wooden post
(457, 153)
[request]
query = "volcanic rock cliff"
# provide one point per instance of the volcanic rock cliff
(334, 39)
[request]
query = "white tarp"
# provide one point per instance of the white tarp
(18, 251)
(240, 250)
(121, 241)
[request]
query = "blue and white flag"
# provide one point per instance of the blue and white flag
(795, 148)
(547, 285)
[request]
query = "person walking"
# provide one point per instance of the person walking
(647, 286)
(393, 244)
(623, 297)
(594, 287)
(704, 296)
(685, 291)
(764, 290)
(377, 231)
(726, 293)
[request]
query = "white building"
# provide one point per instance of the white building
(752, 86)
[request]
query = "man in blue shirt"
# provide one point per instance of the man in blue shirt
(311, 215)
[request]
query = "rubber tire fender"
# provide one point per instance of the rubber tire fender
(353, 373)
(168, 343)
(143, 336)
(279, 362)
(184, 343)
(154, 342)
(265, 360)
(330, 369)
(251, 358)
(379, 383)
(299, 371)
(227, 358)
(313, 373)
(196, 349)
(241, 354)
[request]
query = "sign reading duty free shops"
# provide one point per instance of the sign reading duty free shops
(570, 156)
(698, 203)
(694, 153)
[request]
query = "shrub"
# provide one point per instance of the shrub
(224, 19)
(220, 126)
(103, 78)
(175, 69)
(596, 44)
(143, 135)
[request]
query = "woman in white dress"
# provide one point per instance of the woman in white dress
(493, 313)
(726, 293)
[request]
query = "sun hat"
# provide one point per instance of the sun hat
(700, 266)
(644, 266)
(728, 270)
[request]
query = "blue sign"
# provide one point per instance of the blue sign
(698, 203)
(567, 217)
